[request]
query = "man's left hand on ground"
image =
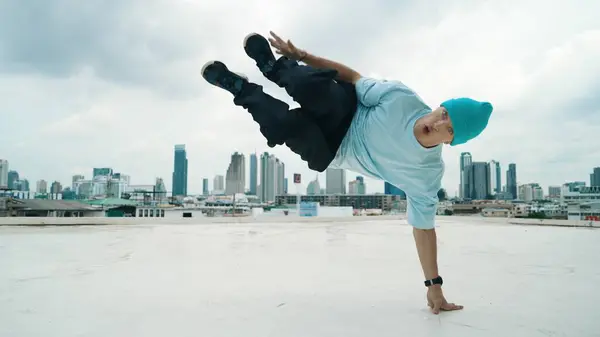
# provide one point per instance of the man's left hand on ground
(437, 302)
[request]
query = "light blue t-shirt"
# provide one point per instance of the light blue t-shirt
(380, 143)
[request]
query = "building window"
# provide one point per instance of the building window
(162, 213)
(140, 213)
(151, 213)
(146, 213)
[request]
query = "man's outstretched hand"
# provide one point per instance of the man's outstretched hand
(286, 48)
(437, 302)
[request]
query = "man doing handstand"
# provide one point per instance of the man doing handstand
(379, 128)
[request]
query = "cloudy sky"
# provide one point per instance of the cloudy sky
(117, 82)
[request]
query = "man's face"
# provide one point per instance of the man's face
(436, 127)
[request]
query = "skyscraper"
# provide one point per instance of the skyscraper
(498, 178)
(3, 173)
(495, 178)
(272, 174)
(23, 185)
(75, 179)
(205, 186)
(465, 160)
(477, 181)
(313, 187)
(280, 177)
(235, 178)
(13, 180)
(180, 171)
(219, 184)
(335, 181)
(253, 174)
(160, 190)
(554, 192)
(41, 187)
(511, 181)
(102, 171)
(56, 187)
(530, 192)
(595, 177)
(357, 186)
(390, 189)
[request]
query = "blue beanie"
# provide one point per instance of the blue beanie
(469, 118)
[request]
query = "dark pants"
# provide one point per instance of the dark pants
(316, 129)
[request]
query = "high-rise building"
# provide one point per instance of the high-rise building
(219, 184)
(205, 190)
(465, 160)
(530, 192)
(495, 178)
(41, 187)
(271, 171)
(353, 187)
(335, 181)
(280, 177)
(180, 171)
(390, 189)
(56, 187)
(511, 181)
(477, 181)
(3, 173)
(13, 180)
(102, 171)
(235, 178)
(314, 187)
(554, 192)
(253, 174)
(22, 185)
(595, 177)
(160, 190)
(574, 186)
(357, 186)
(77, 178)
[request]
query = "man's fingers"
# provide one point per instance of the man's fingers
(275, 44)
(437, 305)
(451, 306)
(276, 37)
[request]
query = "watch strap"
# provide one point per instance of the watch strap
(437, 280)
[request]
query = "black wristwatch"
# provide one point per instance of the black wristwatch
(437, 280)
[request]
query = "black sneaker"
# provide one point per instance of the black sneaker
(258, 48)
(217, 74)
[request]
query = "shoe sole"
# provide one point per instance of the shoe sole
(268, 45)
(209, 63)
(248, 37)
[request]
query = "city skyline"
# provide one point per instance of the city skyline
(92, 99)
(482, 179)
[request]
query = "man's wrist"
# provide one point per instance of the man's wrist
(436, 281)
(302, 55)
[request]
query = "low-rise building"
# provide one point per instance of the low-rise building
(496, 212)
(589, 211)
(10, 207)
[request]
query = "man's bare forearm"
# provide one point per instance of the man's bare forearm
(345, 73)
(426, 241)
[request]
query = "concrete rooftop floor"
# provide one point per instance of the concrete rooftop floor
(295, 279)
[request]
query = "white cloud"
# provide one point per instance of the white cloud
(119, 85)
